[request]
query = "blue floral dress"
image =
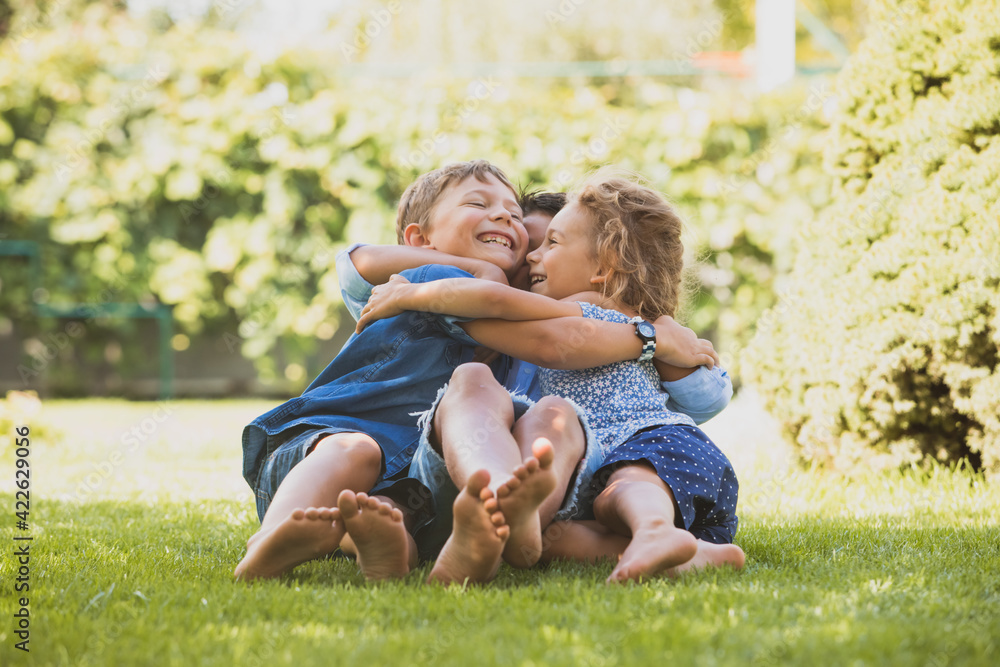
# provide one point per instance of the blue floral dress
(628, 418)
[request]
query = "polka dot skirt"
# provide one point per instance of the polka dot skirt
(699, 475)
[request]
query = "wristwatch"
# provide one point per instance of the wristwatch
(647, 334)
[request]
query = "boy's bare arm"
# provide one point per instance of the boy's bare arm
(377, 263)
(671, 373)
(461, 297)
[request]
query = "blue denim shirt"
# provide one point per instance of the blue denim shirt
(701, 395)
(380, 378)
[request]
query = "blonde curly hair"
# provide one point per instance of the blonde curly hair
(637, 240)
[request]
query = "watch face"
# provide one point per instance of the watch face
(647, 329)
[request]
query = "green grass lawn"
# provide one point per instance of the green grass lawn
(135, 541)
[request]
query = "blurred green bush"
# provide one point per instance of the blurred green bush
(883, 347)
(20, 410)
(176, 166)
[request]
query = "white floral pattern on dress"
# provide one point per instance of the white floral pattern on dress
(620, 399)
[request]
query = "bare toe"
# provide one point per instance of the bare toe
(347, 502)
(472, 553)
(384, 549)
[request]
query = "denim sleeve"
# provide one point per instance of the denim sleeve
(701, 395)
(353, 287)
(447, 323)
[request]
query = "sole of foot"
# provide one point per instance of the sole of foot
(376, 527)
(479, 533)
(306, 534)
(652, 551)
(520, 497)
(711, 555)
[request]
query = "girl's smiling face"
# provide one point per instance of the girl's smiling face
(565, 263)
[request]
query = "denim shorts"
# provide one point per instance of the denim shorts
(429, 469)
(293, 450)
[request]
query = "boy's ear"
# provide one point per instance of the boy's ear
(415, 237)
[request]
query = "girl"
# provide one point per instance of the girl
(614, 253)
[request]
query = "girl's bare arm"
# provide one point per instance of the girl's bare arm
(462, 297)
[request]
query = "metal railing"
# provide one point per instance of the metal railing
(161, 313)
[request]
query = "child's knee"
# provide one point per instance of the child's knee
(474, 382)
(562, 416)
(473, 376)
(356, 450)
(557, 408)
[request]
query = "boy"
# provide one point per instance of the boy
(539, 208)
(352, 429)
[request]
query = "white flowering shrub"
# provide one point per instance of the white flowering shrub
(882, 349)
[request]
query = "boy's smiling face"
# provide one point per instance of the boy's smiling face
(565, 263)
(475, 219)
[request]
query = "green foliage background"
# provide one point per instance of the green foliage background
(173, 165)
(887, 333)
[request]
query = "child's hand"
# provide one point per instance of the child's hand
(491, 272)
(679, 346)
(386, 301)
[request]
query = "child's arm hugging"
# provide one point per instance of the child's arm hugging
(461, 297)
(376, 263)
(533, 327)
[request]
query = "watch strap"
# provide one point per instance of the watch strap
(648, 345)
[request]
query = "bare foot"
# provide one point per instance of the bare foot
(377, 531)
(520, 497)
(711, 555)
(479, 533)
(306, 534)
(655, 547)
